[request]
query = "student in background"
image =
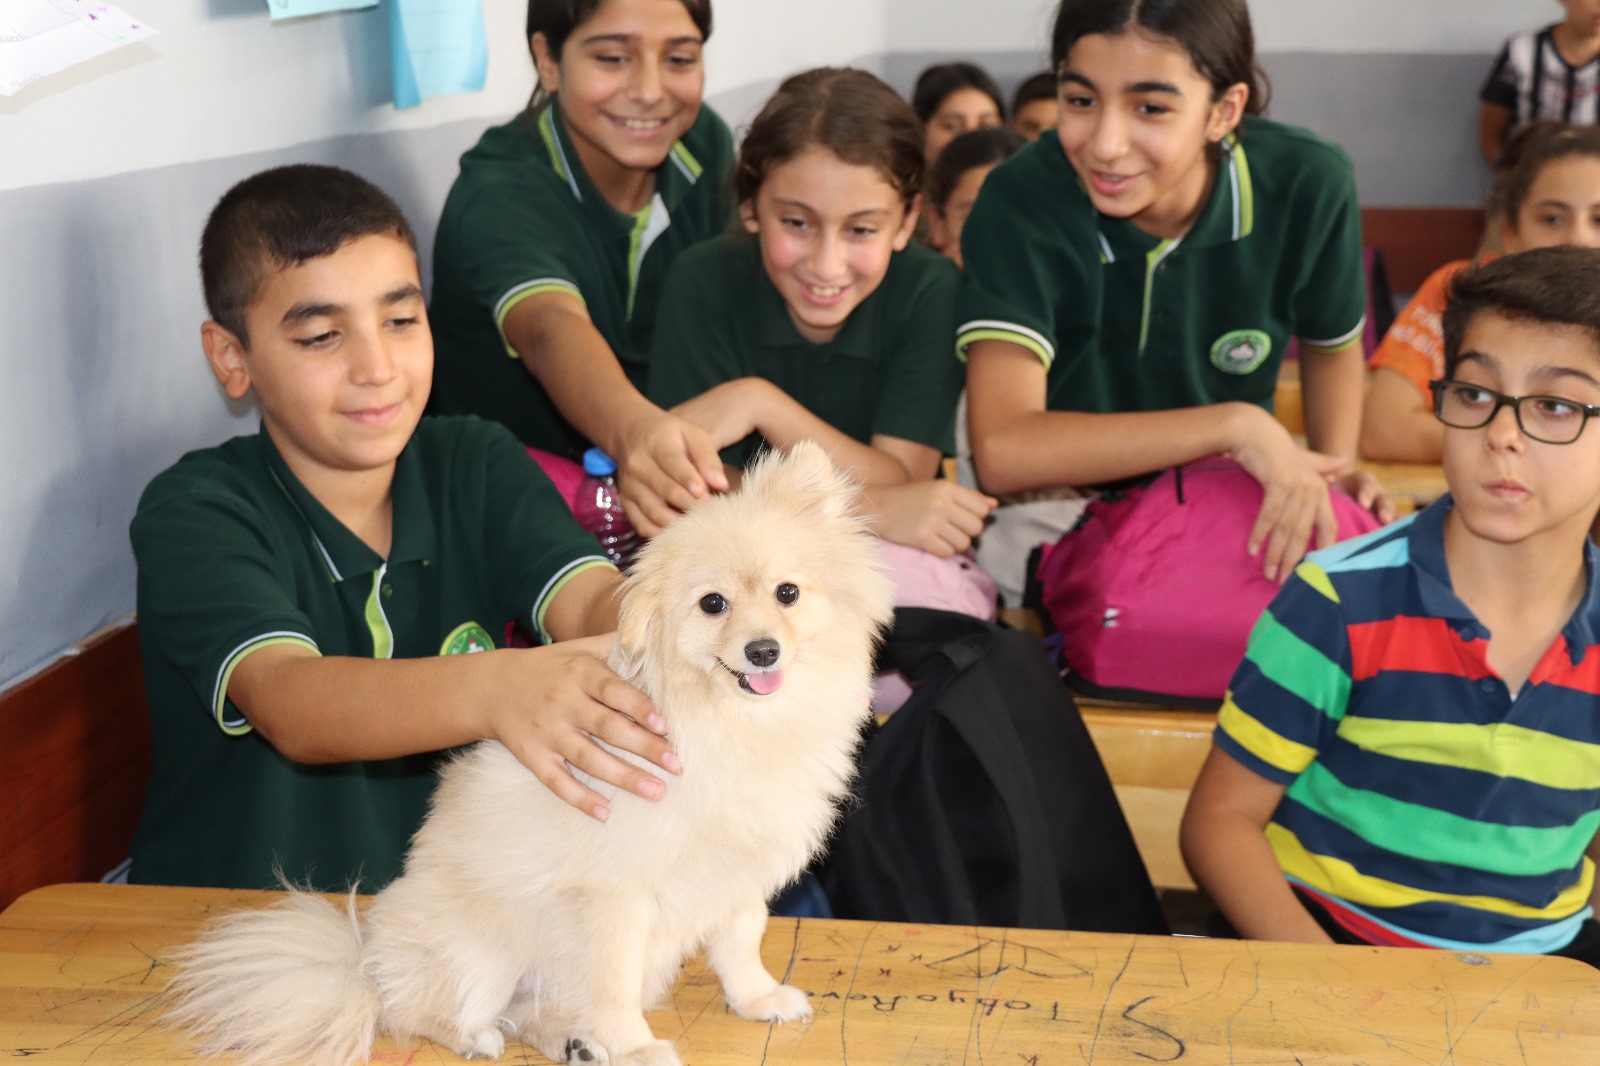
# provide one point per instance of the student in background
(1553, 73)
(818, 321)
(955, 178)
(1407, 754)
(1034, 104)
(952, 98)
(1133, 277)
(559, 232)
(1547, 192)
(307, 593)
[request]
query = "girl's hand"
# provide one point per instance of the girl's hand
(728, 413)
(667, 463)
(564, 701)
(1295, 506)
(1368, 492)
(940, 517)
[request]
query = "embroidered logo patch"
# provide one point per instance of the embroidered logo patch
(465, 639)
(1240, 351)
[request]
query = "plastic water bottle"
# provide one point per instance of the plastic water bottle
(600, 511)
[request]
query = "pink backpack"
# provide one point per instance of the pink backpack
(1153, 592)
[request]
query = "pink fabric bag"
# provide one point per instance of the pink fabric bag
(1153, 592)
(565, 474)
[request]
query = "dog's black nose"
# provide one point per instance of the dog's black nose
(763, 652)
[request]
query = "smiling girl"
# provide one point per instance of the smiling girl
(1134, 276)
(819, 321)
(558, 234)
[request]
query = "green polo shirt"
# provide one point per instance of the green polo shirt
(235, 555)
(888, 370)
(523, 218)
(1129, 322)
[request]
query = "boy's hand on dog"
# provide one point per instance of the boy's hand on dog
(940, 517)
(570, 699)
(667, 464)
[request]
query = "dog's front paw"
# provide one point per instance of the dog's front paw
(584, 1053)
(487, 1043)
(655, 1053)
(785, 1003)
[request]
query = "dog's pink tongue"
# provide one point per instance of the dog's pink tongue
(765, 682)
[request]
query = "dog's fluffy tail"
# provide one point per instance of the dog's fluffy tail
(282, 984)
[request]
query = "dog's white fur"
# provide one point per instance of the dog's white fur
(519, 915)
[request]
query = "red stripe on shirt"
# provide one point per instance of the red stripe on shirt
(1419, 645)
(1556, 667)
(1361, 926)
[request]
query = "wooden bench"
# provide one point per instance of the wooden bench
(74, 758)
(1153, 756)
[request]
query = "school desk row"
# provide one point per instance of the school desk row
(82, 972)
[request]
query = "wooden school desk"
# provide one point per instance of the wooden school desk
(81, 980)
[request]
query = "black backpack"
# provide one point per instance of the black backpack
(982, 800)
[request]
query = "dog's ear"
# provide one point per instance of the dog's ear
(633, 629)
(806, 476)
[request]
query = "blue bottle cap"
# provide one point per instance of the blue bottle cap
(597, 463)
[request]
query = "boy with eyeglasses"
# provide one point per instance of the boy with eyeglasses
(1409, 754)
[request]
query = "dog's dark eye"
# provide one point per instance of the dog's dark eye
(713, 603)
(787, 593)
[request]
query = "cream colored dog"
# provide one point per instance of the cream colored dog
(751, 624)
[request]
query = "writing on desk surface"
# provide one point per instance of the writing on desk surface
(1011, 997)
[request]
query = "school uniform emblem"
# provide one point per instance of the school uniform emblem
(1240, 351)
(465, 639)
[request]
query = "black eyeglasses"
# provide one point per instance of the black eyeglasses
(1550, 419)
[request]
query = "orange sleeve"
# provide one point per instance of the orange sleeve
(1414, 345)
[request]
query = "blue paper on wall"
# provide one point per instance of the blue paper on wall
(293, 9)
(439, 47)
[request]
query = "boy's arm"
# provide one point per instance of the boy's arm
(547, 705)
(664, 462)
(1228, 855)
(1594, 857)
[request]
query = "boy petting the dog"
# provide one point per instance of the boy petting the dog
(305, 592)
(1410, 752)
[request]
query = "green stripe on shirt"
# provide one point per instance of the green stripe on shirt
(1430, 835)
(1287, 660)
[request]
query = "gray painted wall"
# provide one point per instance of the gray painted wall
(102, 380)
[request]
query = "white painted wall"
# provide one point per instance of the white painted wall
(1450, 26)
(221, 79)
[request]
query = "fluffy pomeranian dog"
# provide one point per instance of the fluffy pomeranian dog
(751, 623)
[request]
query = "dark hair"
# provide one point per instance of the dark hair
(1527, 153)
(936, 83)
(1040, 86)
(975, 148)
(556, 19)
(281, 218)
(851, 113)
(1215, 33)
(1557, 286)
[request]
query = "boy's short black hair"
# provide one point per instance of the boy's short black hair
(1040, 86)
(1549, 286)
(281, 218)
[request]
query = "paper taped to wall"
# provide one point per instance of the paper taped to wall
(41, 37)
(293, 9)
(439, 47)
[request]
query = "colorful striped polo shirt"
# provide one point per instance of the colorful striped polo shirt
(1425, 805)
